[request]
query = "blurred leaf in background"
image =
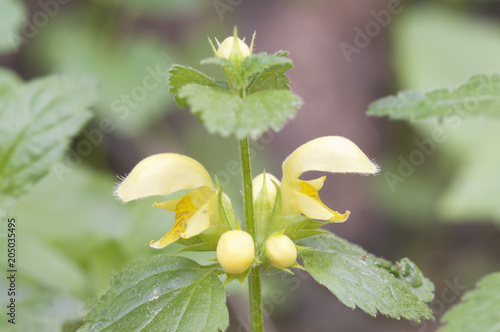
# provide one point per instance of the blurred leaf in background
(47, 313)
(479, 96)
(132, 70)
(444, 53)
(8, 81)
(87, 235)
(479, 310)
(12, 17)
(74, 242)
(37, 121)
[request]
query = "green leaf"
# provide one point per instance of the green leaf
(256, 63)
(256, 72)
(299, 227)
(46, 312)
(223, 62)
(480, 95)
(162, 293)
(271, 78)
(215, 106)
(227, 114)
(37, 122)
(180, 76)
(232, 72)
(479, 309)
(12, 17)
(359, 279)
(407, 271)
(264, 109)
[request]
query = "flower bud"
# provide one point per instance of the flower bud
(258, 185)
(235, 251)
(281, 251)
(226, 47)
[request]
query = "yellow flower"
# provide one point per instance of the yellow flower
(165, 174)
(332, 154)
(240, 49)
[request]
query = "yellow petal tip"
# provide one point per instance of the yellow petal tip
(339, 217)
(154, 244)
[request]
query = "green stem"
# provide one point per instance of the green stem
(255, 293)
(247, 186)
(254, 288)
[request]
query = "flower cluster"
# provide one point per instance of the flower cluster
(200, 208)
(204, 217)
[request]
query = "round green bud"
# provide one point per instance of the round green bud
(281, 251)
(235, 251)
(226, 47)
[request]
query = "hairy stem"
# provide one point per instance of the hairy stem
(247, 186)
(255, 293)
(254, 288)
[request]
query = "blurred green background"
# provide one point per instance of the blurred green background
(73, 235)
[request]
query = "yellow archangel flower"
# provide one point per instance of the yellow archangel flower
(165, 174)
(332, 154)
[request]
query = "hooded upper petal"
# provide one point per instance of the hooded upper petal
(163, 174)
(332, 154)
